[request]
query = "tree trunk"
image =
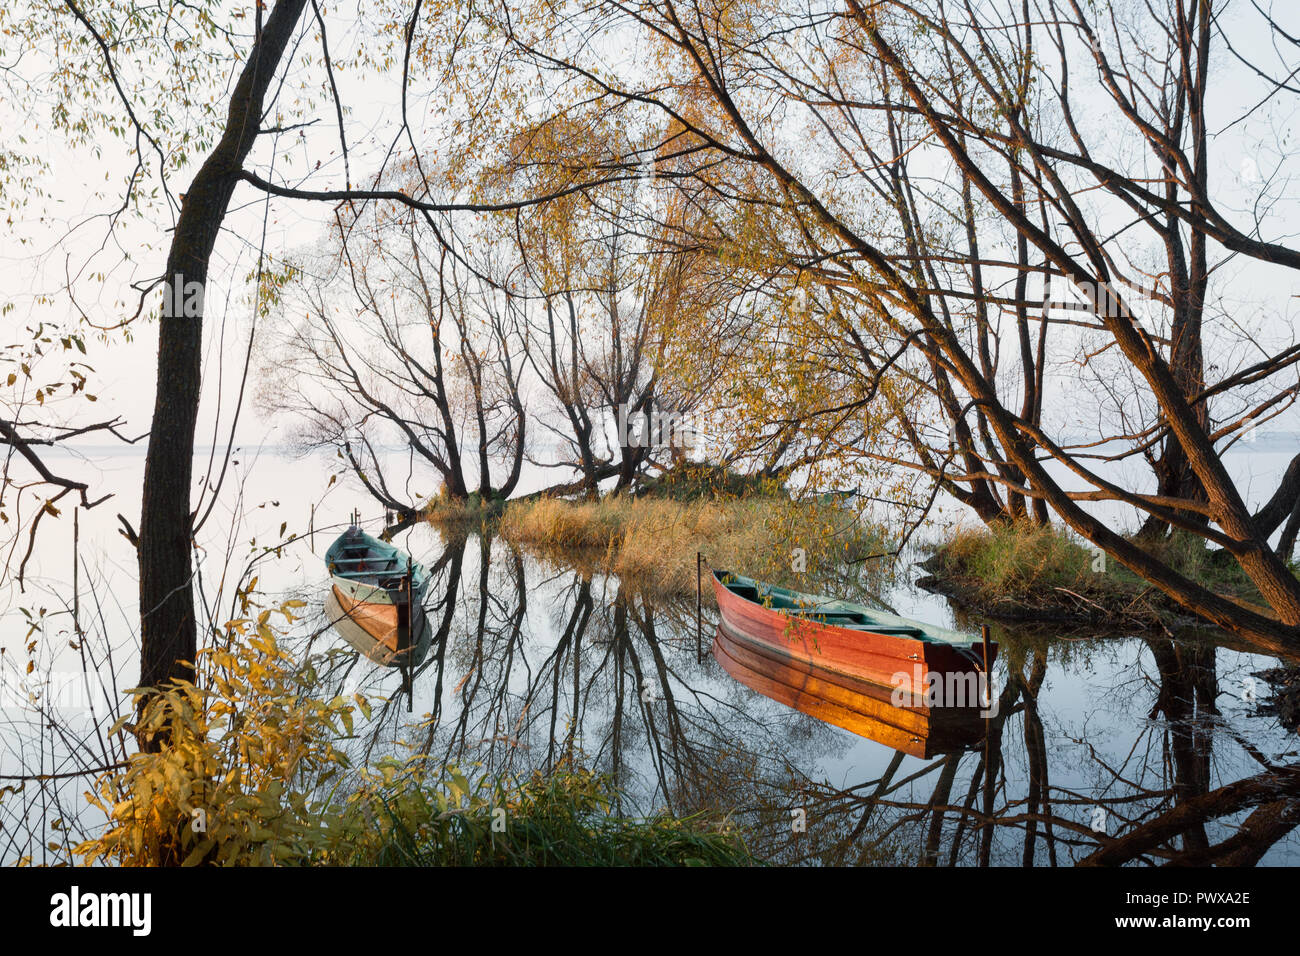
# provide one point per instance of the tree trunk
(168, 631)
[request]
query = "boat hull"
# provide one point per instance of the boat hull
(858, 706)
(887, 660)
(379, 629)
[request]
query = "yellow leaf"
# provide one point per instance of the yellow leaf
(119, 724)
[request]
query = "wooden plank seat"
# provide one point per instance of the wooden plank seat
(856, 622)
(353, 566)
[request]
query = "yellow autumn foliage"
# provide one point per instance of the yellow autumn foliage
(227, 771)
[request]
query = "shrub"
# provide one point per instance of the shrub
(246, 771)
(227, 769)
(564, 818)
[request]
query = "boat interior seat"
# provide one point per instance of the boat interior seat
(842, 618)
(856, 622)
(846, 619)
(359, 565)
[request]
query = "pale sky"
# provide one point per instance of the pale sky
(124, 373)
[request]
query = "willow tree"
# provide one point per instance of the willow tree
(392, 340)
(610, 290)
(932, 166)
(192, 99)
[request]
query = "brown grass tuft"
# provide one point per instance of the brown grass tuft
(655, 540)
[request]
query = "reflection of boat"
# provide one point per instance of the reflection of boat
(845, 638)
(858, 706)
(376, 598)
(403, 651)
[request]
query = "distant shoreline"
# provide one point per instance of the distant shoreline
(1266, 442)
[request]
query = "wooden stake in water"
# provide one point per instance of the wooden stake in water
(988, 681)
(699, 627)
(411, 636)
(76, 562)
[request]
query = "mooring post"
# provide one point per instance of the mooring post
(76, 561)
(410, 603)
(408, 665)
(699, 627)
(988, 684)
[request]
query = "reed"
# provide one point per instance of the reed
(655, 540)
(1024, 569)
(564, 818)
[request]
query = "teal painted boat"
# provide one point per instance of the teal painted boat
(377, 597)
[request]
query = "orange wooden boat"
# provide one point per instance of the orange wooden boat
(851, 640)
(858, 706)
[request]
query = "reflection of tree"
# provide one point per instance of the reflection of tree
(1167, 811)
(1039, 792)
(488, 654)
(1188, 694)
(1276, 811)
(573, 665)
(532, 667)
(890, 825)
(570, 642)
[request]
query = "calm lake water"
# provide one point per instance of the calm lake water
(531, 662)
(539, 661)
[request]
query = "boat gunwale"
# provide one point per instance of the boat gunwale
(928, 634)
(419, 574)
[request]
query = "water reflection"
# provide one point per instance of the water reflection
(857, 706)
(1099, 751)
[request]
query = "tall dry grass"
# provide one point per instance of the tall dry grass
(1038, 566)
(655, 540)
(1019, 560)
